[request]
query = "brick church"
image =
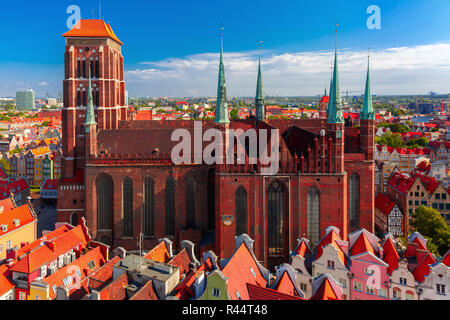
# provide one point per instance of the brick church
(118, 172)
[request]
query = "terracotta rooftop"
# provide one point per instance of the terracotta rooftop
(15, 218)
(384, 203)
(265, 294)
(159, 253)
(92, 29)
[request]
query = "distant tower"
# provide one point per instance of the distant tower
(222, 116)
(259, 99)
(90, 125)
(90, 46)
(323, 106)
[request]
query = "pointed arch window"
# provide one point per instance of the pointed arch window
(313, 215)
(105, 200)
(241, 211)
(149, 207)
(170, 205)
(127, 207)
(353, 187)
(275, 223)
(190, 203)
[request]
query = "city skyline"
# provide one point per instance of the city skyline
(180, 59)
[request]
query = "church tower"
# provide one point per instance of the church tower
(259, 99)
(367, 119)
(222, 116)
(91, 46)
(335, 124)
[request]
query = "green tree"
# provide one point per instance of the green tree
(234, 114)
(430, 223)
(392, 140)
(4, 163)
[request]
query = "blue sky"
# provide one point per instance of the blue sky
(163, 38)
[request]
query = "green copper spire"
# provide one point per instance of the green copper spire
(259, 99)
(222, 105)
(367, 110)
(335, 104)
(90, 115)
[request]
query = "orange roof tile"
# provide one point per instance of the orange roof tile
(92, 28)
(265, 294)
(240, 270)
(7, 204)
(302, 249)
(182, 261)
(285, 285)
(159, 253)
(81, 264)
(330, 238)
(390, 255)
(44, 254)
(5, 283)
(325, 291)
(362, 245)
(423, 268)
(21, 214)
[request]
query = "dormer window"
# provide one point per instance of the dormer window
(4, 228)
(16, 222)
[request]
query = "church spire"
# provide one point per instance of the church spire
(335, 105)
(367, 110)
(90, 114)
(222, 105)
(259, 99)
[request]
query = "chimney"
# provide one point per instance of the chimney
(12, 253)
(51, 245)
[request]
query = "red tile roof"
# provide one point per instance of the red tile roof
(50, 250)
(361, 245)
(330, 238)
(286, 285)
(182, 261)
(51, 184)
(384, 203)
(145, 293)
(5, 284)
(240, 270)
(14, 187)
(302, 249)
(23, 215)
(446, 259)
(390, 255)
(423, 267)
(183, 290)
(92, 28)
(401, 182)
(7, 204)
(82, 265)
(159, 253)
(326, 291)
(266, 294)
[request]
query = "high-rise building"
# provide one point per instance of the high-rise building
(25, 99)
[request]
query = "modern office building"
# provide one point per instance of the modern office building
(25, 99)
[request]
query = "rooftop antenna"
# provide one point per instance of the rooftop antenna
(100, 10)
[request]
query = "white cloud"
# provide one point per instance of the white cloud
(400, 70)
(42, 84)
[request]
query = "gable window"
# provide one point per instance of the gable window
(216, 292)
(330, 264)
(440, 289)
(370, 290)
(303, 287)
(403, 281)
(369, 271)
